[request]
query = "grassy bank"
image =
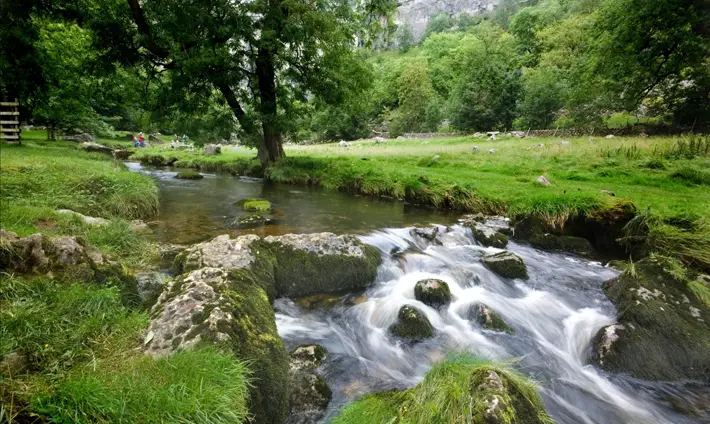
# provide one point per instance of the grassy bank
(71, 350)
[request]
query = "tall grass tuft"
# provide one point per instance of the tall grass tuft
(202, 386)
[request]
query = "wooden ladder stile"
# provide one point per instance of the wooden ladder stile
(10, 121)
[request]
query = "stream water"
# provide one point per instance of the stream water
(554, 314)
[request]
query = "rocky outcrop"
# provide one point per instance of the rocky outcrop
(432, 292)
(310, 394)
(662, 331)
(212, 149)
(83, 137)
(577, 245)
(411, 324)
(226, 307)
(506, 264)
(150, 286)
(417, 13)
(321, 262)
(65, 258)
(488, 318)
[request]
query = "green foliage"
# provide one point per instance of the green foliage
(414, 93)
(199, 386)
(543, 97)
(405, 37)
(255, 205)
(438, 23)
(189, 174)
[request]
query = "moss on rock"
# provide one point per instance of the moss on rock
(488, 318)
(489, 236)
(662, 332)
(412, 324)
(255, 205)
(189, 174)
(506, 264)
(432, 292)
(462, 389)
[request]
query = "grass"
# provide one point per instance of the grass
(255, 205)
(36, 180)
(199, 386)
(454, 391)
(189, 174)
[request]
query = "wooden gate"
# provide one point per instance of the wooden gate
(10, 121)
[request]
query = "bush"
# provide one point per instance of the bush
(199, 386)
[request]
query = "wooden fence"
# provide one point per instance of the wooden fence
(10, 121)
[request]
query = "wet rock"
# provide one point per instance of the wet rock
(168, 252)
(228, 307)
(488, 236)
(488, 318)
(506, 264)
(543, 181)
(189, 174)
(432, 292)
(425, 233)
(138, 226)
(412, 324)
(150, 286)
(156, 160)
(122, 154)
(87, 219)
(212, 149)
(251, 221)
(83, 137)
(577, 245)
(310, 394)
(95, 147)
(221, 252)
(662, 331)
(321, 263)
(13, 363)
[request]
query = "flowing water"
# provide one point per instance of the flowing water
(554, 314)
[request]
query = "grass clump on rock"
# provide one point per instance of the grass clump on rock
(255, 205)
(462, 389)
(189, 174)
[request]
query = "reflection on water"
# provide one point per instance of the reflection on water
(195, 210)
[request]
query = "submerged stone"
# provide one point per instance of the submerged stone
(412, 324)
(432, 292)
(310, 394)
(506, 264)
(488, 318)
(251, 221)
(425, 233)
(662, 331)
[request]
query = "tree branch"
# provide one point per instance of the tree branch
(144, 30)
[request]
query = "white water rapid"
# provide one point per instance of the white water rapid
(554, 314)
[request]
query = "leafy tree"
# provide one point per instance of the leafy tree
(261, 55)
(525, 25)
(439, 23)
(414, 93)
(543, 96)
(405, 37)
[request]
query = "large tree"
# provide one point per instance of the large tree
(263, 55)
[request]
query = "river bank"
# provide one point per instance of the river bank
(57, 382)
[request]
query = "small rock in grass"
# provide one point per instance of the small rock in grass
(435, 157)
(432, 292)
(189, 174)
(609, 192)
(565, 143)
(412, 324)
(542, 180)
(506, 264)
(213, 149)
(591, 139)
(609, 136)
(475, 148)
(491, 150)
(541, 145)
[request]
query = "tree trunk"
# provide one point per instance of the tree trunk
(272, 150)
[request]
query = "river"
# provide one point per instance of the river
(554, 314)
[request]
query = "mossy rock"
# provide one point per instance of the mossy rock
(255, 205)
(432, 292)
(157, 160)
(412, 324)
(489, 237)
(662, 331)
(189, 174)
(462, 389)
(321, 263)
(506, 264)
(310, 394)
(577, 245)
(488, 318)
(251, 221)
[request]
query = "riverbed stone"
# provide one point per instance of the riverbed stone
(506, 264)
(432, 292)
(310, 394)
(229, 308)
(662, 331)
(321, 263)
(412, 324)
(251, 221)
(489, 236)
(577, 245)
(488, 318)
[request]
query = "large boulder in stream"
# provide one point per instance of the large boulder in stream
(488, 318)
(310, 394)
(577, 245)
(412, 324)
(662, 331)
(462, 389)
(506, 264)
(432, 292)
